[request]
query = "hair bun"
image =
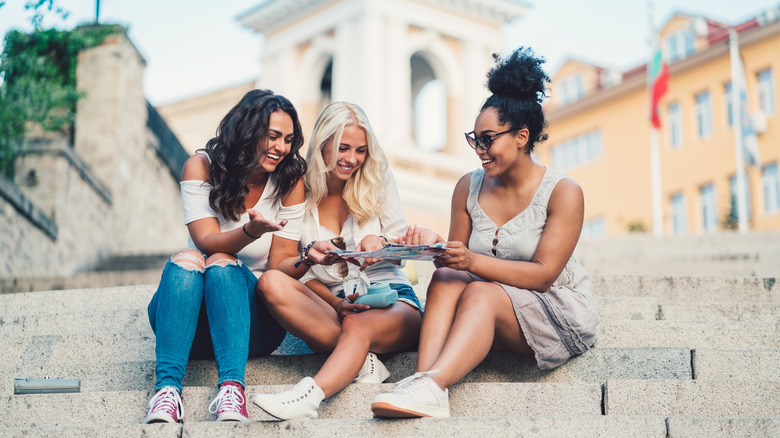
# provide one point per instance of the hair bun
(519, 76)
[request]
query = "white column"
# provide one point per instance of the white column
(477, 60)
(398, 89)
(372, 66)
(655, 182)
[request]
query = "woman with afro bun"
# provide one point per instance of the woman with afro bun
(507, 280)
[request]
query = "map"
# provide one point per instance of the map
(396, 252)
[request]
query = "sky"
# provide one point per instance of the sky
(194, 47)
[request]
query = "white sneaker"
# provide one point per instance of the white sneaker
(373, 371)
(302, 401)
(415, 396)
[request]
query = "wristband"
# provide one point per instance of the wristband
(305, 255)
(338, 312)
(247, 233)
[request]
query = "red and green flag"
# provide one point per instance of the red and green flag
(658, 80)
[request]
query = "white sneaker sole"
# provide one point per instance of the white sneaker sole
(158, 418)
(232, 416)
(269, 407)
(388, 410)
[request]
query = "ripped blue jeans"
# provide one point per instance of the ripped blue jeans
(209, 313)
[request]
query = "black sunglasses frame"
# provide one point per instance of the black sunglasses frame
(485, 141)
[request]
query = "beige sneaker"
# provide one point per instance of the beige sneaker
(415, 396)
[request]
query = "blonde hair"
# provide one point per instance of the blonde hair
(363, 189)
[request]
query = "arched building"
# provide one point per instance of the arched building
(384, 56)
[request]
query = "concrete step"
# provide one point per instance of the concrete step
(466, 399)
(594, 366)
(688, 289)
(133, 262)
(724, 311)
(710, 398)
(587, 426)
(709, 427)
(77, 301)
(691, 334)
(87, 321)
(736, 364)
(86, 280)
(459, 427)
(130, 346)
(605, 288)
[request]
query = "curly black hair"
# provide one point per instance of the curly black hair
(234, 153)
(518, 85)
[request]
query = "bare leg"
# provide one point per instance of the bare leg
(395, 328)
(485, 320)
(299, 310)
(444, 292)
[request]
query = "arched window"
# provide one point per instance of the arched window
(326, 85)
(429, 101)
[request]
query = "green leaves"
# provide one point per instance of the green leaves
(38, 87)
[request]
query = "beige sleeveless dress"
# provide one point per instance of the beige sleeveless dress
(560, 322)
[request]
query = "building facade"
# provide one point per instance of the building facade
(600, 132)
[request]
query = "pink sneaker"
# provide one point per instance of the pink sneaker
(230, 404)
(165, 407)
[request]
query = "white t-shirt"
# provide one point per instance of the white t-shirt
(195, 202)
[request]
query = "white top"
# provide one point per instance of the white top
(195, 202)
(390, 223)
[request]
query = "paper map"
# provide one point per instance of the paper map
(396, 252)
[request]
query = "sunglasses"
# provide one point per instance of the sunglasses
(342, 270)
(483, 141)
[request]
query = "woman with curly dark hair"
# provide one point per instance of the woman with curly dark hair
(507, 280)
(243, 200)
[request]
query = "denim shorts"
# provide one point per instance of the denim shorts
(405, 294)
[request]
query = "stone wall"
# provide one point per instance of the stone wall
(113, 139)
(63, 189)
(111, 193)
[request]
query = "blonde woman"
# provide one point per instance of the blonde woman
(351, 197)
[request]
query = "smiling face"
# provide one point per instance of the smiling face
(505, 149)
(273, 148)
(352, 153)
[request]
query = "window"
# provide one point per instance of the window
(679, 45)
(733, 196)
(770, 182)
(675, 126)
(679, 221)
(709, 213)
(571, 89)
(594, 227)
(766, 92)
(577, 151)
(729, 107)
(703, 111)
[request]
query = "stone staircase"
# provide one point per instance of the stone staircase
(675, 357)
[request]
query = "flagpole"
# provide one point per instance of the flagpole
(655, 148)
(736, 112)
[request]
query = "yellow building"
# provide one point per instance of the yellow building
(600, 132)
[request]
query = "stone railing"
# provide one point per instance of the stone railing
(169, 148)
